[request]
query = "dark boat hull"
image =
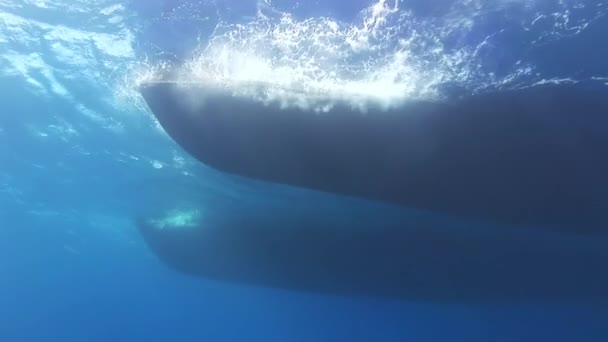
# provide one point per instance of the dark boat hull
(315, 244)
(535, 157)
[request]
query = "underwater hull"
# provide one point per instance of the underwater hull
(535, 156)
(375, 251)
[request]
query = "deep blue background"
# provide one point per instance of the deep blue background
(73, 267)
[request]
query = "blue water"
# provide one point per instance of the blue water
(80, 156)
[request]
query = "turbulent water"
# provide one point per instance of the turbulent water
(81, 156)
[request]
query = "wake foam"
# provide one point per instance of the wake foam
(387, 57)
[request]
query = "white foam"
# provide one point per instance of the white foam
(39, 3)
(182, 218)
(157, 164)
(113, 45)
(567, 80)
(112, 9)
(62, 129)
(388, 57)
(69, 55)
(10, 4)
(71, 6)
(105, 122)
(16, 28)
(601, 79)
(115, 19)
(319, 61)
(55, 85)
(27, 66)
(36, 131)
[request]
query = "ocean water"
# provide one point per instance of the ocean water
(81, 156)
